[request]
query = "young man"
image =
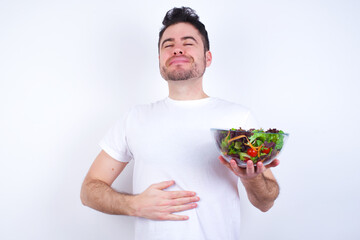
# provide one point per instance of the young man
(180, 188)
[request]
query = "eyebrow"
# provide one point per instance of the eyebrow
(182, 39)
(188, 37)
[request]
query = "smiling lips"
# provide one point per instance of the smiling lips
(177, 60)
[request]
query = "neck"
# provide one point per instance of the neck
(190, 89)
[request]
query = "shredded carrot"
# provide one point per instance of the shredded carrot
(250, 145)
(257, 149)
(228, 135)
(237, 137)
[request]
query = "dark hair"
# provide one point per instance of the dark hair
(187, 15)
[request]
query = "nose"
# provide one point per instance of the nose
(178, 52)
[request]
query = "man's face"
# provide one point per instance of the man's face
(181, 53)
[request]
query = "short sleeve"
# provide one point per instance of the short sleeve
(114, 142)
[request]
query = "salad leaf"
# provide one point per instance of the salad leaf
(243, 156)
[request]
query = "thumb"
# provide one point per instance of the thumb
(274, 163)
(163, 185)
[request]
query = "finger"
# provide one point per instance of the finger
(260, 167)
(222, 159)
(180, 194)
(183, 207)
(185, 200)
(173, 217)
(163, 185)
(224, 162)
(250, 167)
(235, 168)
(274, 163)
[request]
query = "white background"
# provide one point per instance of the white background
(69, 69)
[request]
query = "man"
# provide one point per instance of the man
(180, 189)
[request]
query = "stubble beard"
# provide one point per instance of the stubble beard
(180, 74)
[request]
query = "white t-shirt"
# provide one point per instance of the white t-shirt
(171, 140)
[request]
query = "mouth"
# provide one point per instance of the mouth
(178, 60)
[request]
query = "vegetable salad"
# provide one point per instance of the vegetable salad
(255, 145)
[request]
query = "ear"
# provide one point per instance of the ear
(208, 58)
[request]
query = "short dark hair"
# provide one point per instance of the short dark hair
(186, 15)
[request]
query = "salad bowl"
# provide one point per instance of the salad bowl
(255, 145)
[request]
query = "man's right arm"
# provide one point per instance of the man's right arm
(96, 191)
(153, 203)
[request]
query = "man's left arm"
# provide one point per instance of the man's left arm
(260, 184)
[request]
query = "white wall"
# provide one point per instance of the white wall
(68, 69)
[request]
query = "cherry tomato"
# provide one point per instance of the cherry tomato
(252, 153)
(266, 150)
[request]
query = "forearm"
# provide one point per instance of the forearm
(262, 191)
(100, 196)
(153, 203)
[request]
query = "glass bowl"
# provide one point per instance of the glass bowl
(256, 145)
